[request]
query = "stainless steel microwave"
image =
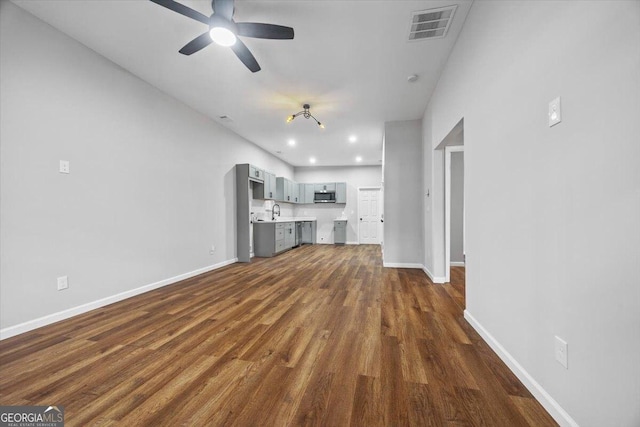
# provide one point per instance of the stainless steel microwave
(322, 197)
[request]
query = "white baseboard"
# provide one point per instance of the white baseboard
(555, 410)
(65, 314)
(401, 265)
(434, 279)
(456, 263)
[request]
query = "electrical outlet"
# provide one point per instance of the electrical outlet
(212, 250)
(63, 283)
(561, 350)
(64, 166)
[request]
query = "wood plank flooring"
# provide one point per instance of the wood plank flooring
(321, 335)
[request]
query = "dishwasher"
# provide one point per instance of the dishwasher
(298, 233)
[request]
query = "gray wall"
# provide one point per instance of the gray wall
(552, 235)
(151, 186)
(403, 193)
(457, 206)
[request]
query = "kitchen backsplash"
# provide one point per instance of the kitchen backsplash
(262, 209)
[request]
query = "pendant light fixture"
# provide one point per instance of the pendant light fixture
(306, 114)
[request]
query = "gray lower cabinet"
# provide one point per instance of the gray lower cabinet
(271, 238)
(339, 232)
(308, 232)
(289, 235)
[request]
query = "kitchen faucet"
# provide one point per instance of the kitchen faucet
(273, 212)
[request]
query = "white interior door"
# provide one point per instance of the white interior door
(369, 212)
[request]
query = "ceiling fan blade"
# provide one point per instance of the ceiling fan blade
(223, 8)
(264, 31)
(247, 58)
(200, 42)
(183, 10)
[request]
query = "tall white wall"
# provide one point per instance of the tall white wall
(151, 188)
(403, 228)
(356, 176)
(552, 214)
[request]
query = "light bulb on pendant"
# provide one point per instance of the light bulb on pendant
(222, 36)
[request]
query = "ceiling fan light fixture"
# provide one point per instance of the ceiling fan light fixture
(224, 30)
(222, 36)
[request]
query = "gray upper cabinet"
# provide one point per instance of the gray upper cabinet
(308, 193)
(266, 189)
(301, 195)
(270, 185)
(341, 192)
(295, 192)
(256, 173)
(325, 187)
(285, 190)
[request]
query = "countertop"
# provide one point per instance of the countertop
(287, 219)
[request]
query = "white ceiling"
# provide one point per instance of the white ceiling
(350, 60)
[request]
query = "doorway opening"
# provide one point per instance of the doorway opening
(454, 208)
(448, 206)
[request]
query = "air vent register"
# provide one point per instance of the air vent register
(431, 23)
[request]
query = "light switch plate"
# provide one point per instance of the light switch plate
(561, 352)
(555, 112)
(64, 166)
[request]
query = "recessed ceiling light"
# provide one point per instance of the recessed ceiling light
(291, 142)
(412, 78)
(353, 138)
(358, 159)
(312, 159)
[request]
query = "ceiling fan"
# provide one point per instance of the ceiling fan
(224, 30)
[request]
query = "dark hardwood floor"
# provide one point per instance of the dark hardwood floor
(321, 335)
